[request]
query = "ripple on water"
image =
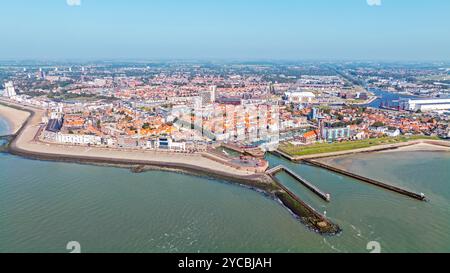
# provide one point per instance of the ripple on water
(43, 205)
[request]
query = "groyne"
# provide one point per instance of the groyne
(312, 218)
(303, 181)
(374, 182)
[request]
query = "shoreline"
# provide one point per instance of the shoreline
(15, 124)
(24, 144)
(344, 161)
(421, 147)
(367, 102)
(413, 145)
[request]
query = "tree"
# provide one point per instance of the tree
(378, 124)
(362, 110)
(359, 121)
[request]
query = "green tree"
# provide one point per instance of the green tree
(378, 124)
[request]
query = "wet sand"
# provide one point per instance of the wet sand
(346, 160)
(427, 147)
(14, 118)
(426, 144)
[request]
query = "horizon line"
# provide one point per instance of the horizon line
(206, 59)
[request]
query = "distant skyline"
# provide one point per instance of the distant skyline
(385, 30)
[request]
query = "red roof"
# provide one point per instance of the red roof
(310, 134)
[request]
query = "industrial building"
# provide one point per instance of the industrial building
(426, 105)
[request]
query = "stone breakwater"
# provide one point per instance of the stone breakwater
(26, 144)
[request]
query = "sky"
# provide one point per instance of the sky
(395, 30)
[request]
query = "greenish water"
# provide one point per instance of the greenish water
(4, 127)
(367, 213)
(44, 205)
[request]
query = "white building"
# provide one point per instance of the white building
(10, 91)
(333, 134)
(428, 105)
(78, 139)
(214, 94)
(209, 96)
(166, 143)
(300, 97)
(393, 133)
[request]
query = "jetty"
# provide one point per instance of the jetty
(308, 214)
(303, 181)
(374, 182)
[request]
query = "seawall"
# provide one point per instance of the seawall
(260, 182)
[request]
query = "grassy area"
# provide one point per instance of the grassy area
(346, 146)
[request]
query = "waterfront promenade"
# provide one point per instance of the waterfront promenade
(27, 144)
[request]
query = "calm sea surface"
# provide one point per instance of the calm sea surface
(4, 128)
(44, 205)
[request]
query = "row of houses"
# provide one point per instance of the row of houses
(344, 133)
(161, 143)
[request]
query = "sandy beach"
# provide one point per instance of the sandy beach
(424, 146)
(27, 145)
(345, 160)
(414, 145)
(13, 117)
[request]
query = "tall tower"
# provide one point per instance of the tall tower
(214, 95)
(321, 134)
(271, 88)
(10, 91)
(41, 73)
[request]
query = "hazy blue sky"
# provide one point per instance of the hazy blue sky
(246, 29)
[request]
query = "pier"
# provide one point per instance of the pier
(308, 214)
(304, 182)
(385, 186)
